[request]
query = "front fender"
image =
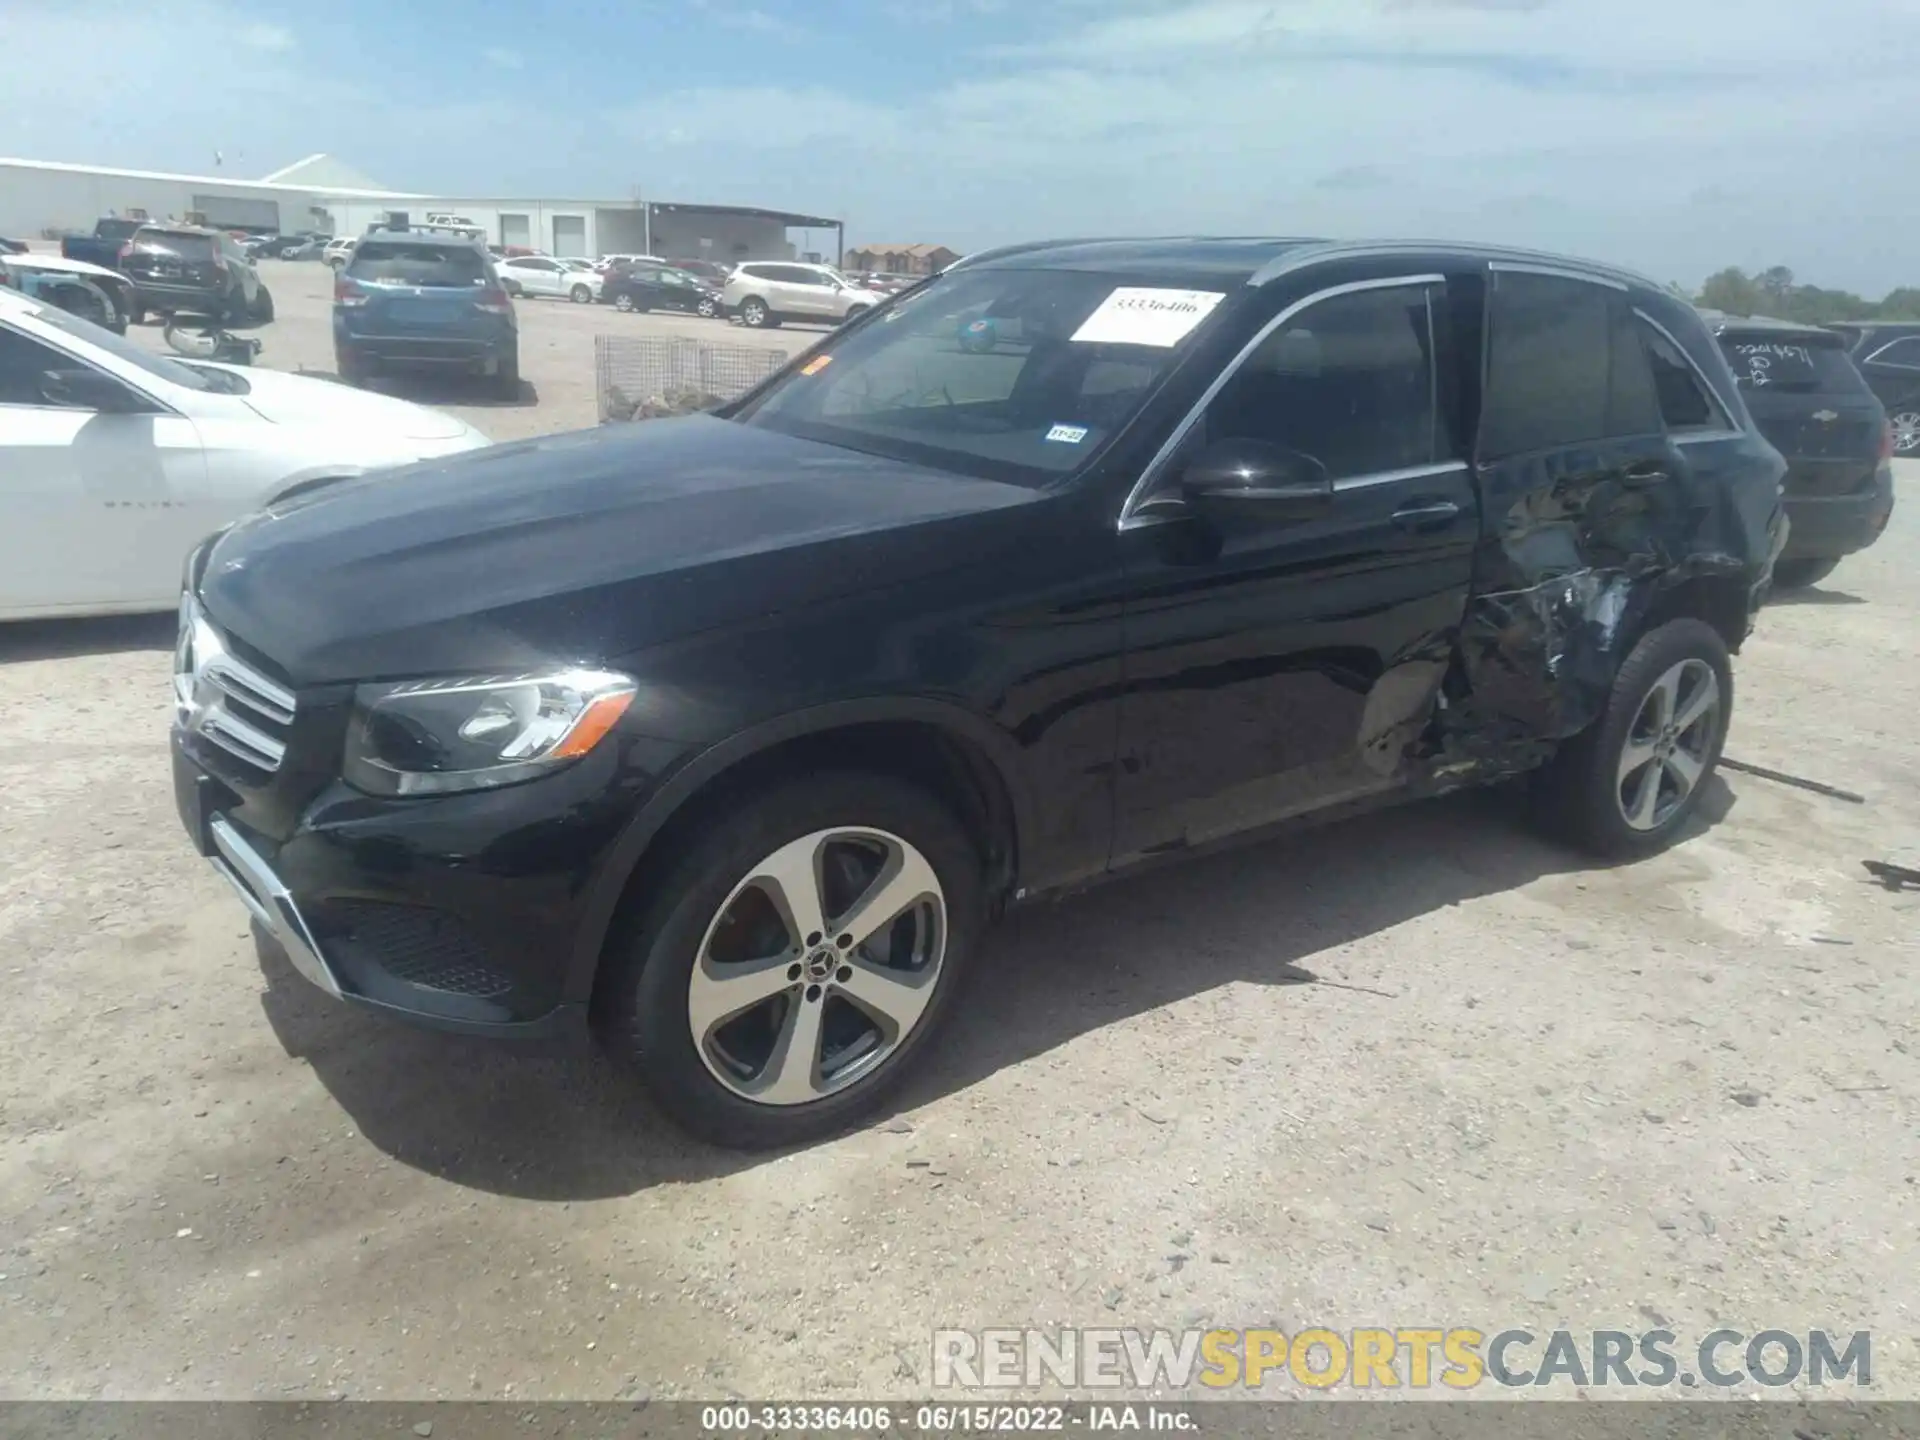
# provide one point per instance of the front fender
(709, 764)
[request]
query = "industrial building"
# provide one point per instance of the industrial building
(44, 198)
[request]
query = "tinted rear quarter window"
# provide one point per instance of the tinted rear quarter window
(419, 263)
(1565, 366)
(1790, 363)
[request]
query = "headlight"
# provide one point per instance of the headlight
(432, 737)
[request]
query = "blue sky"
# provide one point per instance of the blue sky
(1673, 135)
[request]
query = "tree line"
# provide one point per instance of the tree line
(1775, 293)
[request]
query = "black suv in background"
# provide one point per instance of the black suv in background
(188, 270)
(640, 285)
(728, 734)
(1810, 401)
(1887, 353)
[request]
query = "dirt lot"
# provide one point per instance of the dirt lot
(1422, 1069)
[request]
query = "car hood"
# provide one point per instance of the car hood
(303, 400)
(59, 263)
(585, 547)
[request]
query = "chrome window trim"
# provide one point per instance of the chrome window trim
(1151, 472)
(1896, 364)
(1411, 472)
(1727, 427)
(1555, 272)
(1310, 254)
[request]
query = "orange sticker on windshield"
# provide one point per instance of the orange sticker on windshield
(816, 365)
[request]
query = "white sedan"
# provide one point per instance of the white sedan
(115, 462)
(543, 275)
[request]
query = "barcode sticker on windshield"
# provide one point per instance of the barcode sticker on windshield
(1135, 315)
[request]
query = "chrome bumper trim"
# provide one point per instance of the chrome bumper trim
(268, 901)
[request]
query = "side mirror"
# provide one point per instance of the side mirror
(1258, 480)
(82, 389)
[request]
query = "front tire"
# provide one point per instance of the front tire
(795, 964)
(623, 302)
(1628, 784)
(581, 295)
(1905, 422)
(754, 313)
(708, 308)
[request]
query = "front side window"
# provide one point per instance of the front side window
(23, 362)
(1349, 381)
(162, 367)
(1019, 375)
(1565, 366)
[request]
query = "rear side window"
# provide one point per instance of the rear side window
(1904, 353)
(1565, 366)
(1791, 363)
(419, 263)
(186, 245)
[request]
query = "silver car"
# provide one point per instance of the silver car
(766, 293)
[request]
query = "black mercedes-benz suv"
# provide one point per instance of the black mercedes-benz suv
(1887, 354)
(1809, 400)
(725, 736)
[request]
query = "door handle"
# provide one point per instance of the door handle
(1647, 475)
(1423, 514)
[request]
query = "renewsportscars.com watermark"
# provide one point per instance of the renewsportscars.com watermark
(1402, 1357)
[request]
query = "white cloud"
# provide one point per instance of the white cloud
(267, 37)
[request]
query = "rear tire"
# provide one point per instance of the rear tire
(506, 380)
(1798, 574)
(581, 295)
(1905, 420)
(646, 1000)
(263, 306)
(1594, 795)
(351, 369)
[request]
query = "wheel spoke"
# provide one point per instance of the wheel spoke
(906, 879)
(720, 992)
(1636, 754)
(898, 996)
(792, 1073)
(1641, 810)
(791, 878)
(1685, 770)
(1662, 699)
(1705, 698)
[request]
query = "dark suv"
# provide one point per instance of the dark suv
(1887, 354)
(728, 734)
(418, 300)
(189, 270)
(1809, 400)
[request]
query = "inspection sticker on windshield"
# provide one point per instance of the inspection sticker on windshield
(816, 365)
(1137, 315)
(1070, 434)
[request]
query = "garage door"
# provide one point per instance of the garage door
(516, 230)
(570, 235)
(229, 212)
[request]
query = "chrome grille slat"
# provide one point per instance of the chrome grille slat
(225, 701)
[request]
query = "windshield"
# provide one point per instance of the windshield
(189, 377)
(1017, 375)
(1790, 364)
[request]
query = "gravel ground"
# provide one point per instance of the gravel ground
(1419, 1069)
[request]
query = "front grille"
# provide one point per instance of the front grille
(421, 947)
(224, 700)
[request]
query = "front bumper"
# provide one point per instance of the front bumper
(362, 906)
(1829, 526)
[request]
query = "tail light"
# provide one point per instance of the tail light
(1886, 440)
(494, 302)
(348, 292)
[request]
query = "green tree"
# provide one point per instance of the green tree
(1900, 304)
(1731, 290)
